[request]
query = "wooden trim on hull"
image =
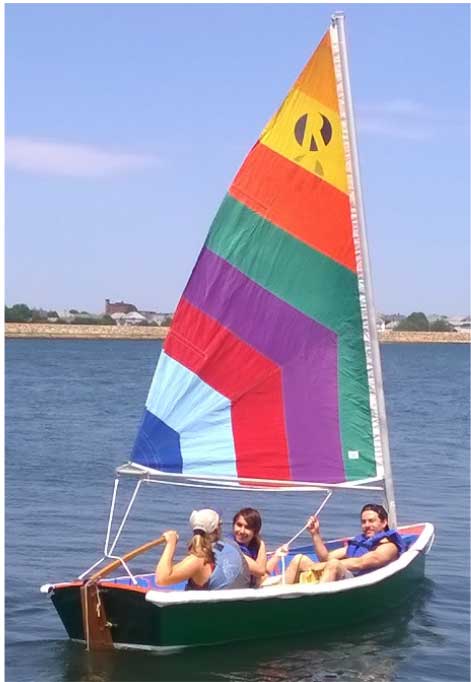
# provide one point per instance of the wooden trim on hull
(95, 621)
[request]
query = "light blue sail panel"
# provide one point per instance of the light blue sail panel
(199, 415)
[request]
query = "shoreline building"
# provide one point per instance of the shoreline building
(127, 313)
(119, 307)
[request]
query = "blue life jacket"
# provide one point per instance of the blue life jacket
(251, 552)
(361, 545)
(230, 569)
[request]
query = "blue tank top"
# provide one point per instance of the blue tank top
(230, 569)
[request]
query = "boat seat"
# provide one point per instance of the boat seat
(146, 581)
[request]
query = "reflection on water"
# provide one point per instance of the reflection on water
(369, 653)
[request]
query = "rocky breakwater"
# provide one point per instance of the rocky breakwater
(425, 337)
(82, 331)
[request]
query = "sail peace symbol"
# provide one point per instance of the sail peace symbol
(308, 133)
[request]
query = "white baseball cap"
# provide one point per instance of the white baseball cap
(206, 520)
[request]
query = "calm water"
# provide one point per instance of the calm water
(72, 410)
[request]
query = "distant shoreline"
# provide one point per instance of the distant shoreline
(76, 331)
(424, 337)
(82, 331)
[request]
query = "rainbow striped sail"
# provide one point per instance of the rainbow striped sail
(266, 371)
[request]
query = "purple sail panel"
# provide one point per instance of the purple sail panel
(305, 350)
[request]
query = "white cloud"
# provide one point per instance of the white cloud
(62, 158)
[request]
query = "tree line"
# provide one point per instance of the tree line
(418, 322)
(20, 312)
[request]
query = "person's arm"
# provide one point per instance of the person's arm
(258, 566)
(339, 553)
(381, 556)
(320, 549)
(166, 573)
(273, 561)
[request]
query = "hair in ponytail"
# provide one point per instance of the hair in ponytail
(201, 545)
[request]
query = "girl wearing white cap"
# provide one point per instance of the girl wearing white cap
(211, 563)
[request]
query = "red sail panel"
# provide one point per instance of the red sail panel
(252, 383)
(299, 202)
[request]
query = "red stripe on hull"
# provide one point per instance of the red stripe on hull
(252, 383)
(299, 202)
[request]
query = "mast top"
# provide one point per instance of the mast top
(337, 16)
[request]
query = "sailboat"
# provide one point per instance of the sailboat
(270, 378)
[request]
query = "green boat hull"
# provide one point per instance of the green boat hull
(136, 622)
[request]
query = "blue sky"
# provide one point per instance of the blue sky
(126, 123)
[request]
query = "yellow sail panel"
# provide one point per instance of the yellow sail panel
(309, 134)
(306, 129)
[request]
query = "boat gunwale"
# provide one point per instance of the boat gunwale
(421, 545)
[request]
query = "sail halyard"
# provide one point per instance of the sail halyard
(264, 374)
(378, 408)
